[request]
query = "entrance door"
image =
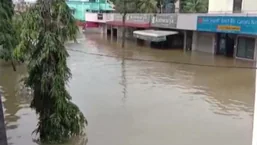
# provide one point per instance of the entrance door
(221, 47)
(230, 38)
(225, 45)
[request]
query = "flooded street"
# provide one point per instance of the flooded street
(140, 102)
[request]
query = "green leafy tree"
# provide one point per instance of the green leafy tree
(194, 6)
(46, 27)
(147, 6)
(8, 34)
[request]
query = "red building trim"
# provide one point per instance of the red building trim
(129, 24)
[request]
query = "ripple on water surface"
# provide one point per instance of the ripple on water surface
(145, 103)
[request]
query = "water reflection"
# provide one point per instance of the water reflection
(131, 102)
(13, 104)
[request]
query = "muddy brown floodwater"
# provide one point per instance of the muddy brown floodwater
(131, 102)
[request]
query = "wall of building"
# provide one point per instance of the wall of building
(187, 21)
(217, 6)
(93, 17)
(249, 6)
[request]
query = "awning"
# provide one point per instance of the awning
(153, 35)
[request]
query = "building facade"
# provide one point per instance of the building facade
(80, 7)
(232, 6)
(229, 29)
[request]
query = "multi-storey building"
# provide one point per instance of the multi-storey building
(229, 28)
(232, 6)
(95, 7)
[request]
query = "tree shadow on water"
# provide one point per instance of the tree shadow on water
(77, 140)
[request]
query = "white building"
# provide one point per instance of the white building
(232, 6)
(229, 28)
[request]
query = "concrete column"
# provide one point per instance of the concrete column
(214, 43)
(194, 41)
(185, 41)
(111, 32)
(119, 32)
(103, 28)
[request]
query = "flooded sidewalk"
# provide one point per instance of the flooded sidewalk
(151, 97)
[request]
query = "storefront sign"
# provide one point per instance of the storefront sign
(138, 18)
(164, 21)
(228, 24)
(134, 18)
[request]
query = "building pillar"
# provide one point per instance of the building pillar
(102, 28)
(111, 32)
(214, 42)
(185, 41)
(194, 41)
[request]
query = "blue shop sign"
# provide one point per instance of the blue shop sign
(228, 24)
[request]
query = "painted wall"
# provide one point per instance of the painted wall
(187, 21)
(93, 17)
(217, 6)
(81, 7)
(226, 6)
(249, 6)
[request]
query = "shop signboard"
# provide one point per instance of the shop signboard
(164, 21)
(228, 24)
(138, 18)
(134, 18)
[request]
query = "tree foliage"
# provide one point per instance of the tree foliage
(136, 6)
(8, 34)
(194, 6)
(45, 28)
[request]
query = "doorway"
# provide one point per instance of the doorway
(115, 32)
(225, 44)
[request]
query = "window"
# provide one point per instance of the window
(100, 16)
(73, 11)
(245, 47)
(237, 6)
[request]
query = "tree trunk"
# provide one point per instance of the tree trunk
(123, 30)
(13, 65)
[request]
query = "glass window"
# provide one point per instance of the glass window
(245, 47)
(250, 45)
(237, 6)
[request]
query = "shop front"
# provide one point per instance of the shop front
(234, 36)
(168, 22)
(225, 44)
(157, 38)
